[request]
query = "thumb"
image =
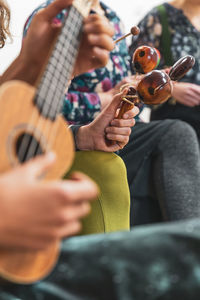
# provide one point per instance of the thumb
(115, 103)
(38, 166)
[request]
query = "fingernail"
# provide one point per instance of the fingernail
(56, 22)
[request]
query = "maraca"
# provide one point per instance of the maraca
(181, 67)
(145, 59)
(156, 86)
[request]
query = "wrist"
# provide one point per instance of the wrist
(174, 88)
(84, 139)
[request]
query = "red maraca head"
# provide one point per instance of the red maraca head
(145, 59)
(154, 88)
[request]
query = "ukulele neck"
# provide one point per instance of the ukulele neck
(58, 72)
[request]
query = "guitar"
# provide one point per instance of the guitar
(34, 126)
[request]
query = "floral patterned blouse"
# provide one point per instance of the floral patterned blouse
(81, 102)
(185, 39)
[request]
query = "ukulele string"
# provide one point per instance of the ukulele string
(36, 118)
(49, 109)
(26, 140)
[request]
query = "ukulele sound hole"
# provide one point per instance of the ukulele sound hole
(27, 147)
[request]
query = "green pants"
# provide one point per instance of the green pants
(111, 211)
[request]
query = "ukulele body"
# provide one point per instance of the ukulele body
(19, 114)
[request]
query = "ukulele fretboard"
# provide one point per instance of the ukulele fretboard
(50, 94)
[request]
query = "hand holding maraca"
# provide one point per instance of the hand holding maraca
(156, 86)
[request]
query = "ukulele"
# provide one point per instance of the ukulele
(32, 125)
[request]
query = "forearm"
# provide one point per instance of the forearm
(19, 70)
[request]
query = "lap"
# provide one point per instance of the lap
(148, 263)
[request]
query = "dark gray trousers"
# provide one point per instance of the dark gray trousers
(163, 166)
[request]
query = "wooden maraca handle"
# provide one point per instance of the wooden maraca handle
(128, 104)
(134, 31)
(128, 101)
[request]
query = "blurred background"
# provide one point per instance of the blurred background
(130, 11)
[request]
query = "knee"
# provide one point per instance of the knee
(180, 135)
(109, 172)
(183, 129)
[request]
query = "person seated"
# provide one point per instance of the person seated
(154, 156)
(22, 182)
(114, 184)
(173, 28)
(92, 136)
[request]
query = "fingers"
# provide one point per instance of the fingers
(80, 189)
(100, 57)
(118, 131)
(72, 213)
(96, 44)
(115, 103)
(71, 229)
(193, 102)
(66, 230)
(121, 131)
(118, 138)
(54, 8)
(131, 113)
(97, 24)
(101, 40)
(195, 96)
(123, 123)
(48, 235)
(38, 166)
(191, 99)
(99, 32)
